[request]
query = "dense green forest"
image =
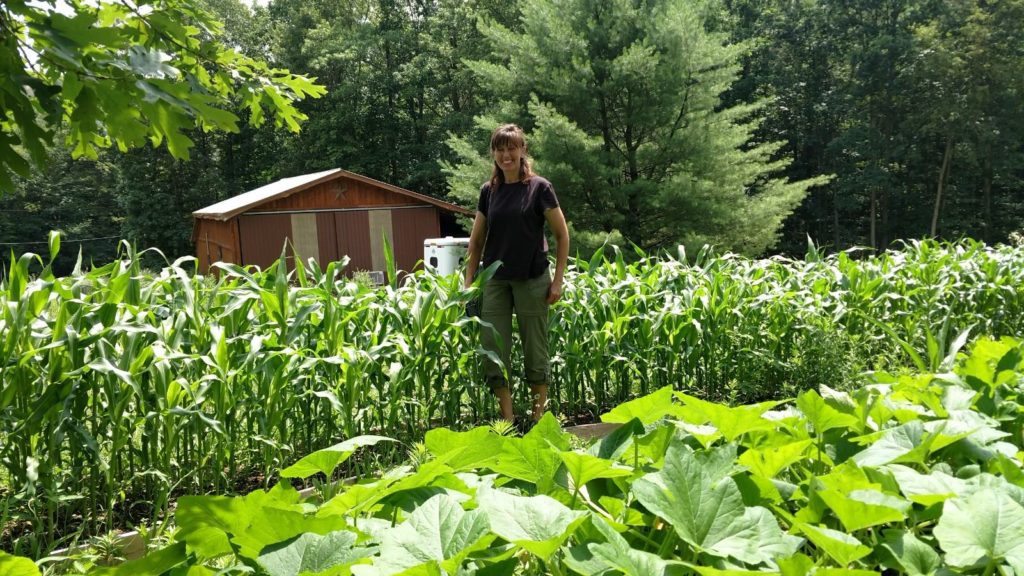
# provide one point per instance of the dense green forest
(749, 124)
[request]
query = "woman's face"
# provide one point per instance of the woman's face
(507, 157)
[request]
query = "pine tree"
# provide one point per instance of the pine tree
(622, 100)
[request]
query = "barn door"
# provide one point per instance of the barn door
(411, 227)
(262, 236)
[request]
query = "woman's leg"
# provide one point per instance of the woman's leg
(532, 313)
(496, 309)
(539, 400)
(504, 395)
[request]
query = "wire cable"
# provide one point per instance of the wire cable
(62, 241)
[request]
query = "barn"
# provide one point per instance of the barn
(324, 215)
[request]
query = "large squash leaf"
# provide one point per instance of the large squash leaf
(861, 509)
(906, 443)
(617, 554)
(822, 416)
(989, 525)
(11, 565)
(648, 409)
(732, 422)
(768, 462)
(538, 524)
(439, 531)
(706, 509)
(477, 448)
(910, 554)
(584, 468)
(326, 460)
(313, 553)
(926, 489)
(840, 546)
(530, 459)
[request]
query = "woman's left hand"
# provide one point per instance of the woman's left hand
(555, 291)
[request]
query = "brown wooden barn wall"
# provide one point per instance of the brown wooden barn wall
(262, 237)
(343, 226)
(216, 242)
(352, 229)
(327, 236)
(411, 226)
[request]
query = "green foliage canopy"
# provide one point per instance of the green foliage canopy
(124, 72)
(624, 102)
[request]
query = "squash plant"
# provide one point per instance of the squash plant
(908, 474)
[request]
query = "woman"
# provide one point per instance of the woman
(509, 228)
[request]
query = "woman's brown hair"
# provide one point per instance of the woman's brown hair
(509, 136)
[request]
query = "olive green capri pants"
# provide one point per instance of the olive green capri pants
(529, 300)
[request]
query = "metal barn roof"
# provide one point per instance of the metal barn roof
(227, 209)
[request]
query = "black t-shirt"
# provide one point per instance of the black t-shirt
(515, 227)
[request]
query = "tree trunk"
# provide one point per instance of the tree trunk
(947, 158)
(871, 208)
(632, 227)
(883, 215)
(986, 190)
(835, 217)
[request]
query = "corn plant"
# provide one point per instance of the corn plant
(912, 473)
(121, 388)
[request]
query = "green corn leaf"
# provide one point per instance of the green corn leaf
(906, 346)
(989, 525)
(840, 546)
(310, 553)
(437, 531)
(54, 244)
(389, 260)
(596, 259)
(911, 555)
(325, 460)
(538, 524)
(17, 566)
